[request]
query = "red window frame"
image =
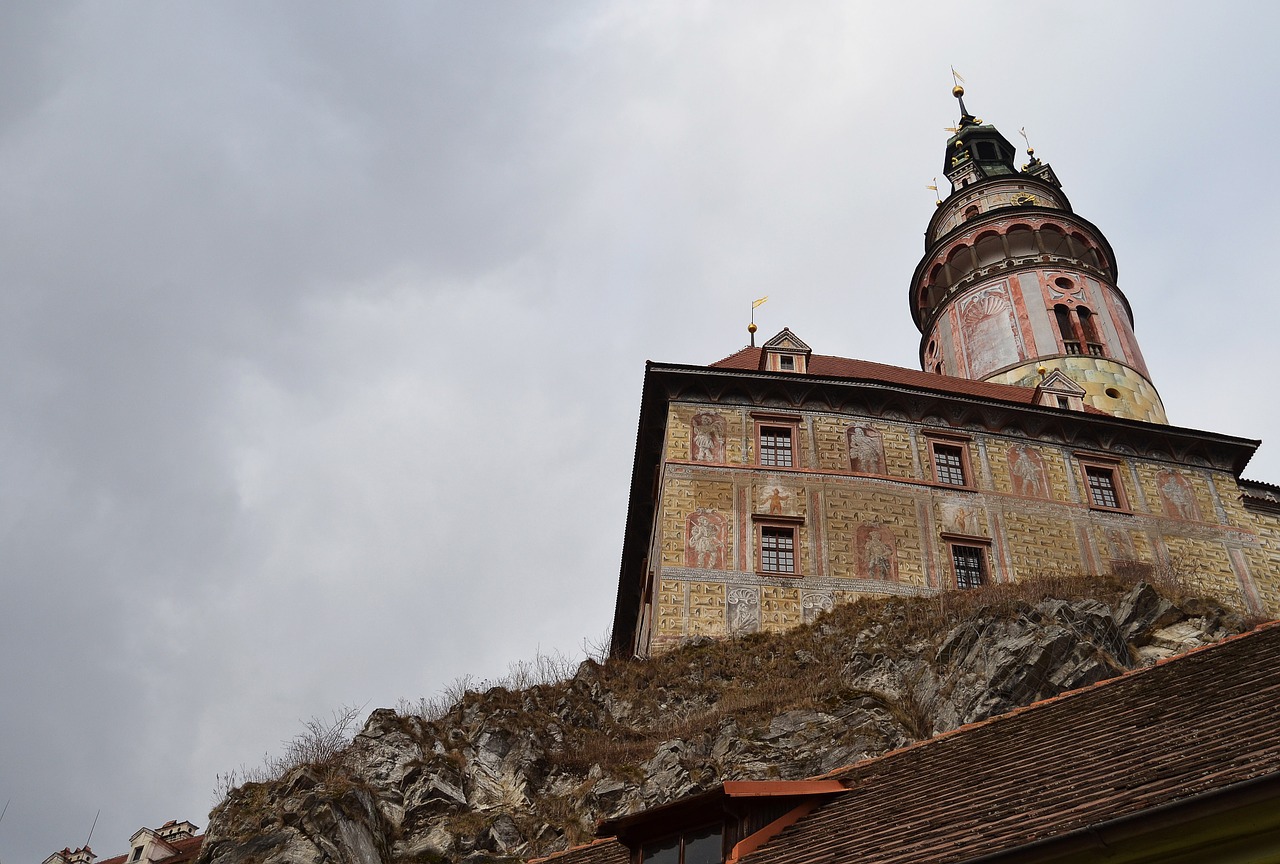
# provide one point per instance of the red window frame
(769, 430)
(777, 546)
(956, 464)
(1103, 487)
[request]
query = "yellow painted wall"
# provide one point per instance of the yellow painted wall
(1032, 534)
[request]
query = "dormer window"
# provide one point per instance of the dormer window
(1056, 390)
(785, 353)
(720, 824)
(699, 846)
(137, 853)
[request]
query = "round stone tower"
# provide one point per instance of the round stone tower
(1012, 282)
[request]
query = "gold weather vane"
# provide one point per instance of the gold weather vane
(934, 187)
(1031, 151)
(966, 119)
(751, 328)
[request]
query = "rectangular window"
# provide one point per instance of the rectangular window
(137, 853)
(775, 446)
(777, 549)
(787, 363)
(698, 846)
(970, 564)
(1102, 486)
(948, 464)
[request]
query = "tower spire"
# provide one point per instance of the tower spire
(957, 90)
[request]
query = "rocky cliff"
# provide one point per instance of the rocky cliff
(516, 774)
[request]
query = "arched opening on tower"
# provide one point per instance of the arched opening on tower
(1022, 241)
(1054, 241)
(990, 249)
(1062, 315)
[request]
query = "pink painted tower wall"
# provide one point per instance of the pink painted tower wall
(1013, 281)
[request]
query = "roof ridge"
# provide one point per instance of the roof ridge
(1127, 675)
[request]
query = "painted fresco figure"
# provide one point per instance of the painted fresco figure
(708, 437)
(705, 543)
(866, 450)
(877, 552)
(879, 558)
(1179, 501)
(777, 500)
(1027, 471)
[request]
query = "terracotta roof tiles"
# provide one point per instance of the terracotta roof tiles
(865, 370)
(1196, 723)
(604, 851)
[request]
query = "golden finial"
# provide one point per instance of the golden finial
(934, 187)
(1031, 151)
(751, 328)
(1043, 370)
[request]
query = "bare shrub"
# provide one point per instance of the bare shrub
(320, 744)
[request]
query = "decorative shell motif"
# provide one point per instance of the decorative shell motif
(986, 305)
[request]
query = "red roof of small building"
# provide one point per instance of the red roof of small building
(1200, 723)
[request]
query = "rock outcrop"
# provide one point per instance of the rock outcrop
(513, 774)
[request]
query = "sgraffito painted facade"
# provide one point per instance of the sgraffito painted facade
(777, 482)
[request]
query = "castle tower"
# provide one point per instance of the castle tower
(1013, 282)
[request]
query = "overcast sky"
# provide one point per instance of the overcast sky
(322, 326)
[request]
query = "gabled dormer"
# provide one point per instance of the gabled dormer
(174, 830)
(718, 826)
(785, 353)
(1056, 390)
(146, 845)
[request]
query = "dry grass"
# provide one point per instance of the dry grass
(690, 692)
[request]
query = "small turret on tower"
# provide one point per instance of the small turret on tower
(976, 151)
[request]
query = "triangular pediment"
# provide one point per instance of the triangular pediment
(787, 341)
(1058, 382)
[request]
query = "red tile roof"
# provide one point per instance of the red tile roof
(864, 370)
(604, 851)
(1197, 723)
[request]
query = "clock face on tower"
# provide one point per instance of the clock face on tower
(1025, 199)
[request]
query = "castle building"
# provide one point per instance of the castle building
(173, 842)
(776, 482)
